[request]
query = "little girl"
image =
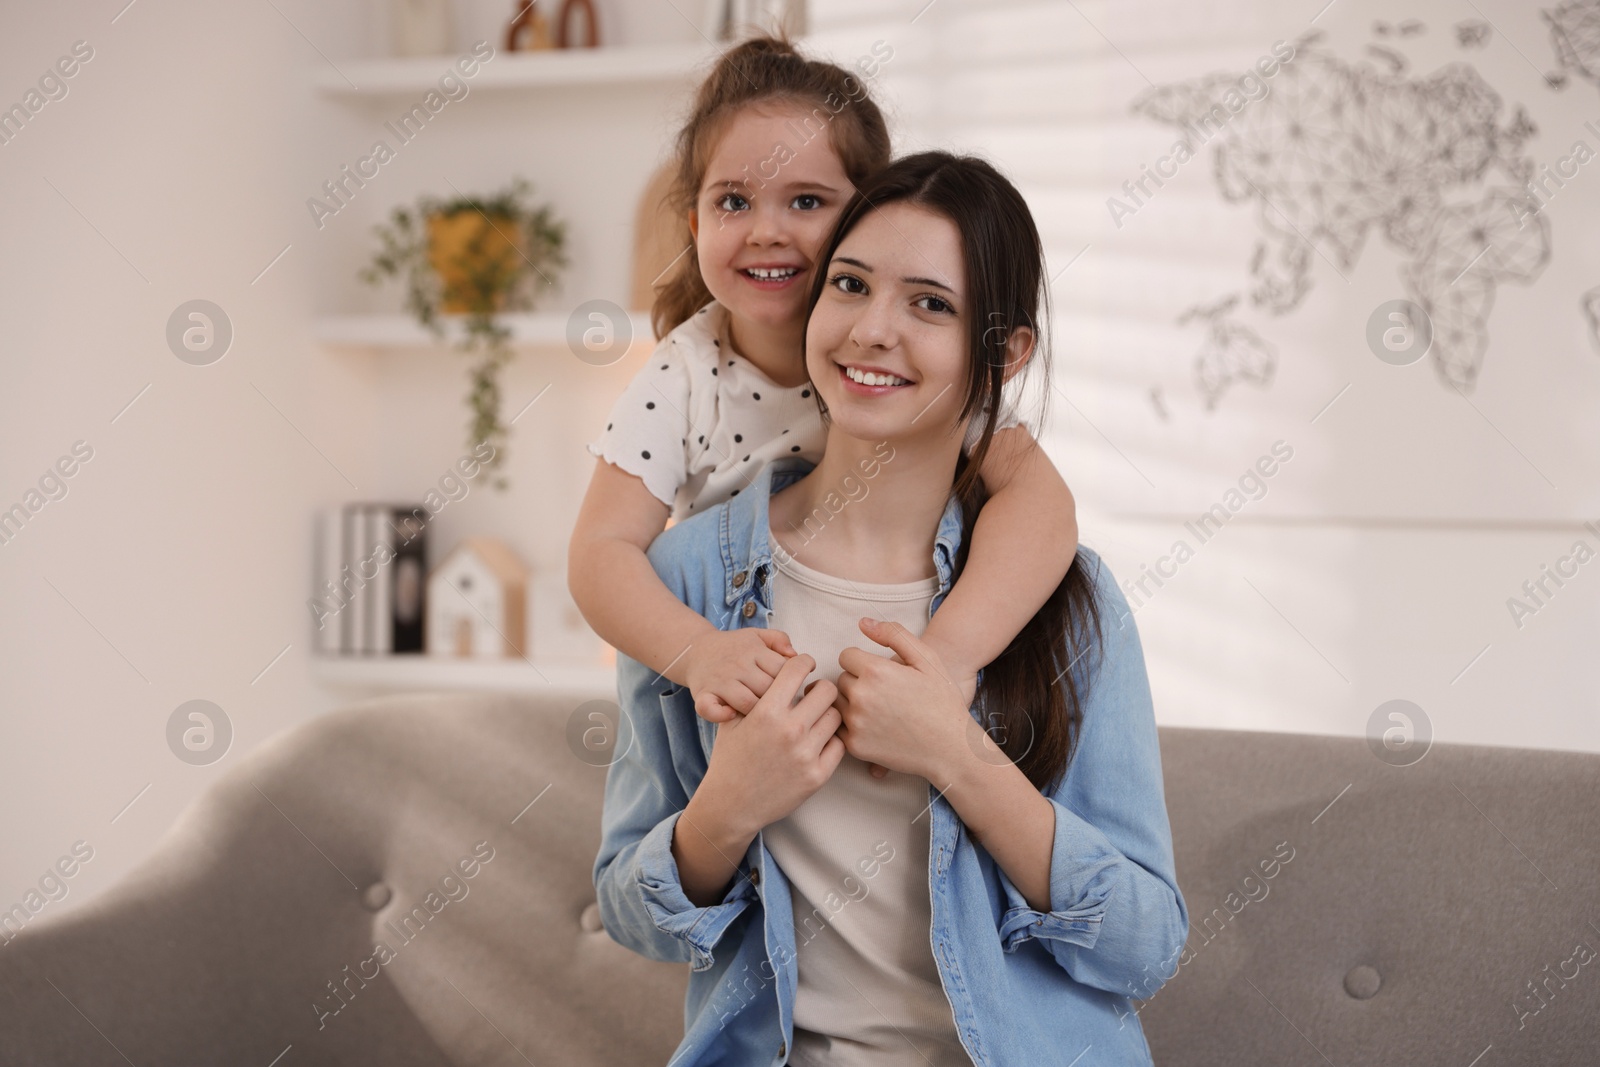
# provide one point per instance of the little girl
(774, 147)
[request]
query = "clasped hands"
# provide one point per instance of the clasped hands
(906, 712)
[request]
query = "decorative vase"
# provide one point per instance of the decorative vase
(577, 26)
(422, 27)
(529, 29)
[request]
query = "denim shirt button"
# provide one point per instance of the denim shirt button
(755, 877)
(749, 608)
(738, 579)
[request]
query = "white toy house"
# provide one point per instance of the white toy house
(477, 602)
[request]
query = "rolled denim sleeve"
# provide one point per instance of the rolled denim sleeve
(1117, 919)
(670, 910)
(641, 898)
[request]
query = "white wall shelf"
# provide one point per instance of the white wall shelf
(540, 329)
(379, 79)
(421, 672)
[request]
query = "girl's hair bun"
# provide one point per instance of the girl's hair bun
(762, 44)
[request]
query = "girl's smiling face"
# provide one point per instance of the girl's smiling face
(765, 207)
(893, 312)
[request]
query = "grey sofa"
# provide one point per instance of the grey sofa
(1345, 911)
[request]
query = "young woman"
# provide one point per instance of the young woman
(1004, 891)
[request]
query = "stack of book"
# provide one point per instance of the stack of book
(371, 579)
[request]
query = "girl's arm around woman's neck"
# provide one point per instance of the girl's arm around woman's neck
(1023, 543)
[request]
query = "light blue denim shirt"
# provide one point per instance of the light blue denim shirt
(1028, 988)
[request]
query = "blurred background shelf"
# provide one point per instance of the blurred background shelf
(363, 80)
(388, 674)
(539, 329)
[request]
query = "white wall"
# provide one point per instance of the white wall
(1379, 562)
(172, 170)
(180, 557)
(1377, 566)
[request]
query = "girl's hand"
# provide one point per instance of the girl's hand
(729, 670)
(901, 713)
(766, 763)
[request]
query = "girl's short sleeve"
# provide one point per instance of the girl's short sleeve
(648, 427)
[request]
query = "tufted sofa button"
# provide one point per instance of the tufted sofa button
(1362, 982)
(376, 896)
(590, 919)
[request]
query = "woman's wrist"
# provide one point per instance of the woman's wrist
(953, 750)
(707, 850)
(721, 821)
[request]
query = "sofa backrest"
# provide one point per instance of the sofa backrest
(1344, 910)
(1341, 908)
(254, 925)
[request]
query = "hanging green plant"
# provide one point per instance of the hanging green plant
(478, 257)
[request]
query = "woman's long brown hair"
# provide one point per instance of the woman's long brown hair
(1032, 695)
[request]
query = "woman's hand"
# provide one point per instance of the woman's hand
(767, 762)
(902, 712)
(729, 670)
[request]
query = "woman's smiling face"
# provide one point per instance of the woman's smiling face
(894, 312)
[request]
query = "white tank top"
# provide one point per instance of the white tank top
(856, 858)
